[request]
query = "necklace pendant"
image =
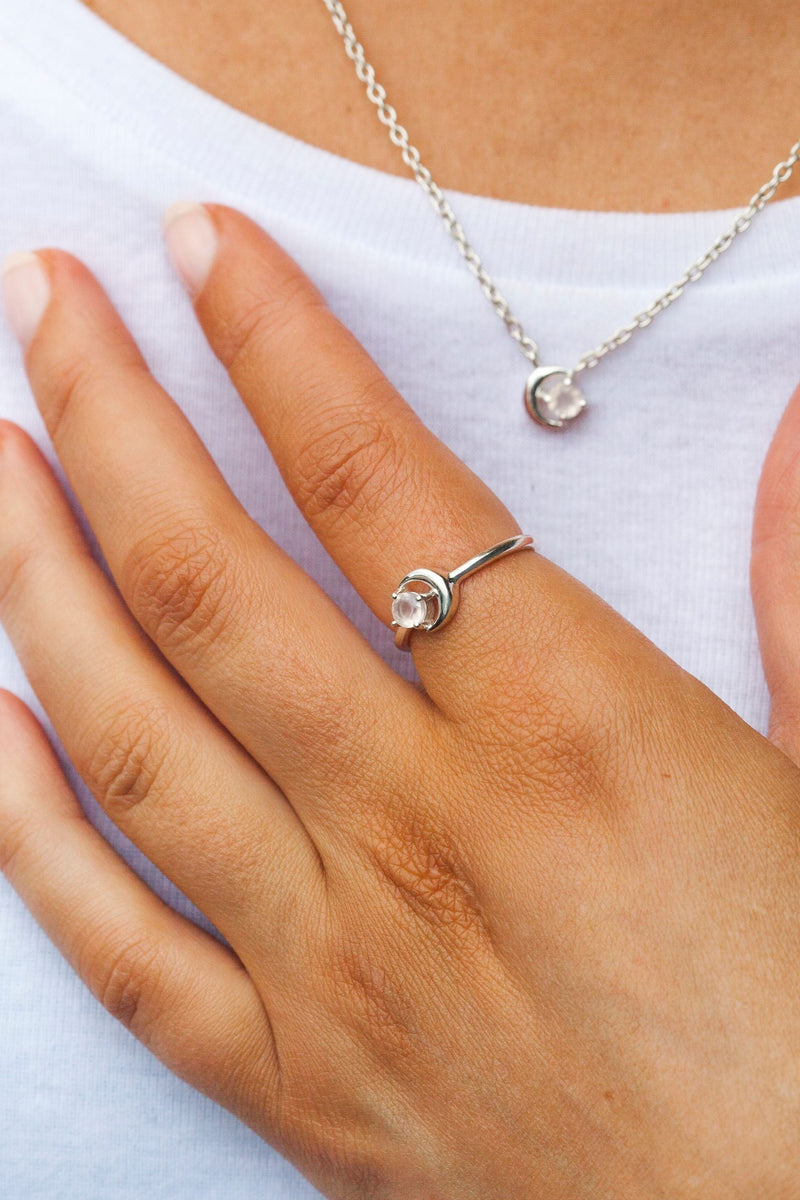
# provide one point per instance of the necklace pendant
(552, 398)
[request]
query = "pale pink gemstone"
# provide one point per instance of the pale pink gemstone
(558, 398)
(409, 610)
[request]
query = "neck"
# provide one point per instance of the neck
(653, 105)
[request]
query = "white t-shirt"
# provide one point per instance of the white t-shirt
(647, 499)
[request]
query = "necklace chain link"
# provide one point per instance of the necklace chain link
(398, 135)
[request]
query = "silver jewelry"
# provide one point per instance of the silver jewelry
(551, 396)
(434, 603)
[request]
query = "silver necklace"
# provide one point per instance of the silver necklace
(551, 395)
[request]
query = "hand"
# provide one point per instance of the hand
(530, 930)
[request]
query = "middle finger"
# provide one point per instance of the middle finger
(258, 641)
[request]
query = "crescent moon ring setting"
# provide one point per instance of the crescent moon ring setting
(427, 600)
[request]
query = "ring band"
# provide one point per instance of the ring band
(433, 604)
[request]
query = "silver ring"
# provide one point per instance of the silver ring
(434, 603)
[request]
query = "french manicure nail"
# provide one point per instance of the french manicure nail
(26, 294)
(192, 243)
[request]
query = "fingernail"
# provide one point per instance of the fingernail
(26, 294)
(192, 243)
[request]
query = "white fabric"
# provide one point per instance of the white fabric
(648, 499)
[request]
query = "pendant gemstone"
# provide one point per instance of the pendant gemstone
(552, 398)
(409, 610)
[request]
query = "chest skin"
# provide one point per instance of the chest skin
(663, 106)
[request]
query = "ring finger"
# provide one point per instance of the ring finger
(382, 493)
(159, 764)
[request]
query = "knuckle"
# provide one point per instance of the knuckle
(569, 764)
(70, 379)
(352, 462)
(555, 713)
(549, 749)
(180, 587)
(126, 757)
(125, 977)
(561, 762)
(372, 992)
(426, 873)
(61, 382)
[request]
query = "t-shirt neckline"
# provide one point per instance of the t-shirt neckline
(121, 83)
